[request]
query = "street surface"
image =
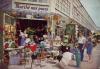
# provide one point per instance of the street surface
(84, 65)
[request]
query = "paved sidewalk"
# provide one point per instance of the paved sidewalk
(84, 65)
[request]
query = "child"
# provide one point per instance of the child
(77, 56)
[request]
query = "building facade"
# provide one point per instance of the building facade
(62, 16)
(62, 12)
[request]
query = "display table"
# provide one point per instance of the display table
(14, 55)
(15, 59)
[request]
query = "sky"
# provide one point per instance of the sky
(93, 8)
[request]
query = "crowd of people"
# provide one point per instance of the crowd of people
(66, 53)
(78, 50)
(41, 49)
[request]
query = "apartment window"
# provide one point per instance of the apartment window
(57, 4)
(58, 1)
(23, 0)
(30, 0)
(43, 1)
(68, 6)
(75, 12)
(33, 0)
(64, 7)
(60, 5)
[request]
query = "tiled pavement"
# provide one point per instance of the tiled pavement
(84, 65)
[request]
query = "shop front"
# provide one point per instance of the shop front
(35, 20)
(11, 35)
(7, 35)
(32, 27)
(31, 18)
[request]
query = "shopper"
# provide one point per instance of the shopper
(89, 46)
(81, 42)
(66, 58)
(77, 56)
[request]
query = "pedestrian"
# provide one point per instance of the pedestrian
(66, 58)
(81, 42)
(77, 56)
(89, 46)
(62, 49)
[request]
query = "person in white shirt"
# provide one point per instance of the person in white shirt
(81, 42)
(66, 58)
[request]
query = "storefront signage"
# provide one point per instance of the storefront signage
(32, 7)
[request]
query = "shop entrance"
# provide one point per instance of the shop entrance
(33, 27)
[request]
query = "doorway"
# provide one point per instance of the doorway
(38, 27)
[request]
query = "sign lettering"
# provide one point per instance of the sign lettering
(31, 7)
